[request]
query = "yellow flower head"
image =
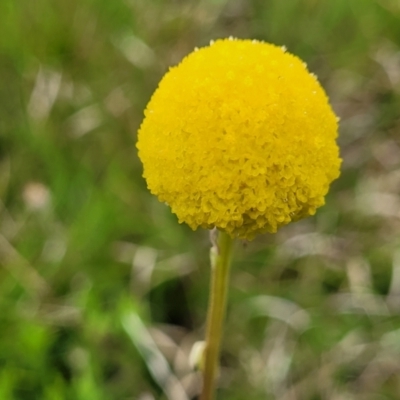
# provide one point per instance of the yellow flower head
(239, 136)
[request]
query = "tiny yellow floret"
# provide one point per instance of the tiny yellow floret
(239, 136)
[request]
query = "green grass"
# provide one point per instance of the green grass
(92, 266)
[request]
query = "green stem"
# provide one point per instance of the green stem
(216, 311)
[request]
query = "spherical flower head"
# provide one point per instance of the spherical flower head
(239, 136)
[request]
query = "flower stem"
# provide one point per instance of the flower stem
(220, 263)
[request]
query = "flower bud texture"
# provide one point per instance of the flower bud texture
(239, 136)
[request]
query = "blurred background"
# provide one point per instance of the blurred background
(103, 293)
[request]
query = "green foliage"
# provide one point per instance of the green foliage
(102, 292)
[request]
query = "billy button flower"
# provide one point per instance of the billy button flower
(239, 136)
